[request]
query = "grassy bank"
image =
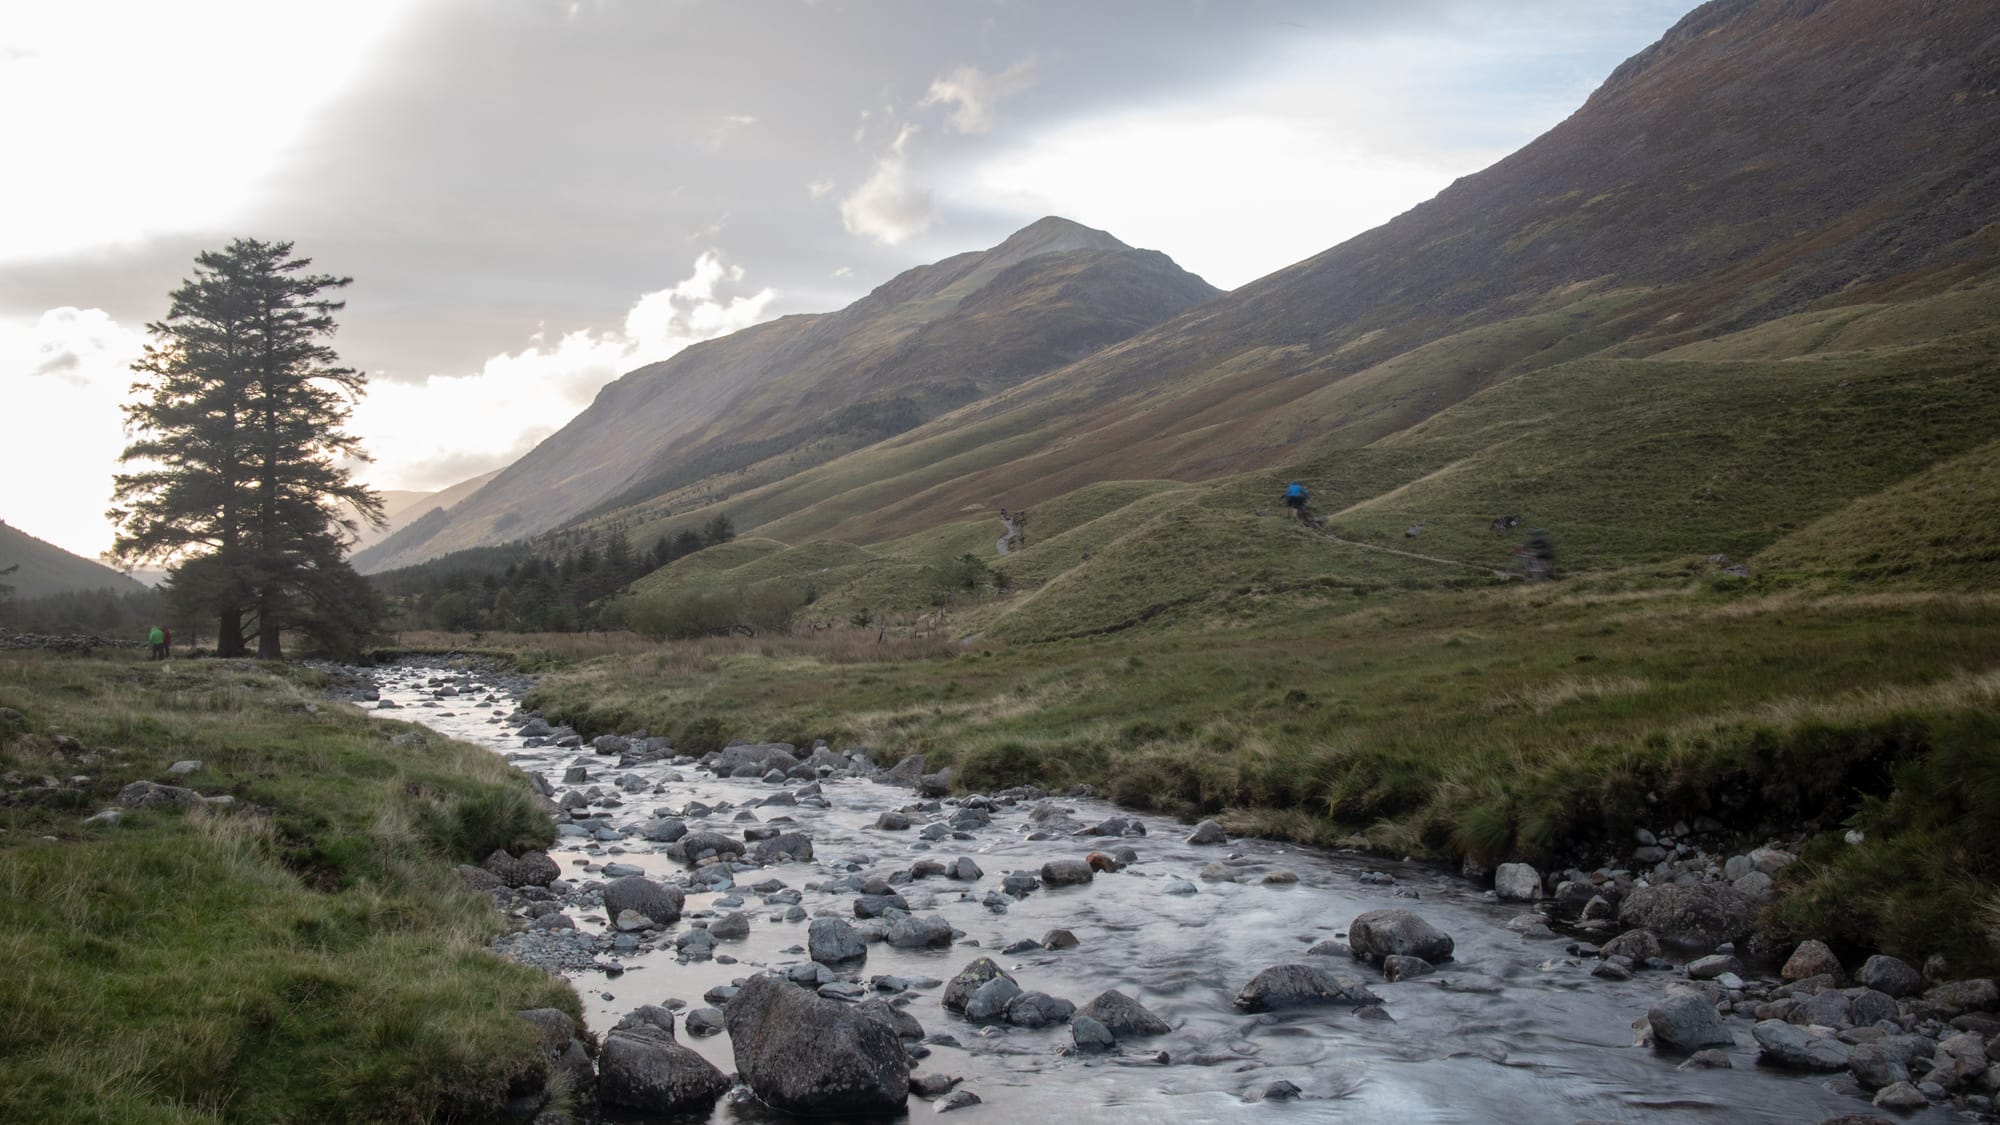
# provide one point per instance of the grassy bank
(1493, 722)
(305, 955)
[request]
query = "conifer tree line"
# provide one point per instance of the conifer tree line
(557, 583)
(239, 480)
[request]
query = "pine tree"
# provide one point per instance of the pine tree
(238, 432)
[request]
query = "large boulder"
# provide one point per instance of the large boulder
(664, 830)
(660, 902)
(1694, 916)
(1637, 946)
(906, 772)
(1517, 882)
(696, 844)
(532, 869)
(1298, 985)
(795, 846)
(1039, 1009)
(1685, 1020)
(935, 784)
(642, 1067)
(1208, 832)
(761, 757)
(831, 941)
(1380, 933)
(1124, 1016)
(1811, 959)
(908, 931)
(1066, 872)
(1892, 975)
(800, 1053)
(1799, 1048)
(990, 1000)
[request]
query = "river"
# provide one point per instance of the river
(1512, 1030)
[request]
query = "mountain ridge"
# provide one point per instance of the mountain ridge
(1760, 160)
(786, 380)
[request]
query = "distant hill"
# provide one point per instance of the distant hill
(802, 390)
(405, 508)
(48, 569)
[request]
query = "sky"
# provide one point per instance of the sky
(534, 197)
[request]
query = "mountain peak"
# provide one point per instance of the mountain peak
(1053, 234)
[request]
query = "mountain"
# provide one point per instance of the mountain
(406, 507)
(1765, 159)
(48, 569)
(802, 390)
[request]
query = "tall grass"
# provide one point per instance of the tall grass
(306, 955)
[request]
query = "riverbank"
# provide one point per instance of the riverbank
(229, 899)
(1546, 723)
(689, 876)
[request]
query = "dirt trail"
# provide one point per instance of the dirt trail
(1332, 538)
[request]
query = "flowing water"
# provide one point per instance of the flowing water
(1511, 1030)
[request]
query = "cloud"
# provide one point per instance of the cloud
(889, 207)
(57, 471)
(434, 433)
(818, 188)
(974, 94)
(730, 124)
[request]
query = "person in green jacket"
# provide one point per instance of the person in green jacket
(158, 639)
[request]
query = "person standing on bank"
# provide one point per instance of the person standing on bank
(158, 639)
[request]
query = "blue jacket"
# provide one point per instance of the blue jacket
(1295, 491)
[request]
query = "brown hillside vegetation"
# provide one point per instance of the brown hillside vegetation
(1761, 160)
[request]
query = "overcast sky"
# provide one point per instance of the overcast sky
(535, 196)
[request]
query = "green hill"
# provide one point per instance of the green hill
(48, 569)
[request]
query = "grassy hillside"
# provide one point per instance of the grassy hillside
(48, 569)
(306, 955)
(1770, 193)
(1937, 530)
(1186, 647)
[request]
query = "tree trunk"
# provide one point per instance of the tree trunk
(229, 633)
(267, 637)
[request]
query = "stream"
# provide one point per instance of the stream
(1514, 1029)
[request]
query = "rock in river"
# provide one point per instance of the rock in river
(1686, 1021)
(959, 992)
(1798, 1048)
(1124, 1016)
(660, 902)
(800, 1053)
(796, 846)
(1208, 832)
(1380, 933)
(831, 941)
(1517, 882)
(1298, 985)
(911, 932)
(1065, 872)
(642, 1067)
